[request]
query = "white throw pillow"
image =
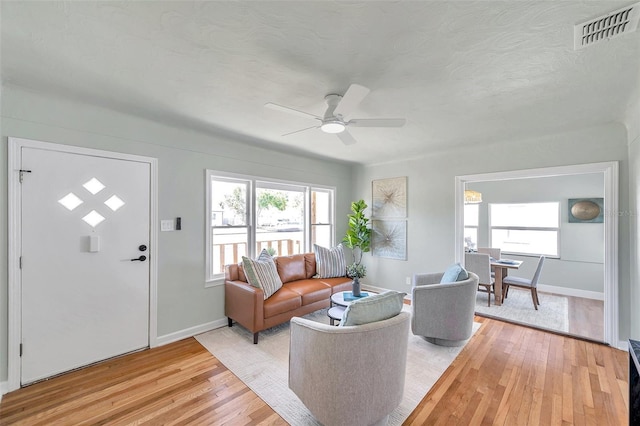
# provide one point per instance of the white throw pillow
(262, 273)
(330, 263)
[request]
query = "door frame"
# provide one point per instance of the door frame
(609, 171)
(15, 146)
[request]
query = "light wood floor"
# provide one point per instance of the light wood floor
(506, 375)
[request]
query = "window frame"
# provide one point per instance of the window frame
(254, 183)
(527, 228)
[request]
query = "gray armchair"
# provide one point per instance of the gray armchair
(352, 375)
(443, 313)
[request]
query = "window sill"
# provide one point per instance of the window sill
(214, 282)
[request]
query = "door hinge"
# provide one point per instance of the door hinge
(22, 172)
(20, 260)
(20, 349)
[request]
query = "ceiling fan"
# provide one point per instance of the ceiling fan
(339, 107)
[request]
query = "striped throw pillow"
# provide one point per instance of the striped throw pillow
(330, 263)
(262, 273)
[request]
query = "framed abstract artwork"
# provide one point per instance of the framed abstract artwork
(389, 239)
(389, 198)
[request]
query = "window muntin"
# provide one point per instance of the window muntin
(526, 228)
(247, 214)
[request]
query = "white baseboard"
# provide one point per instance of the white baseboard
(190, 332)
(4, 388)
(374, 289)
(571, 292)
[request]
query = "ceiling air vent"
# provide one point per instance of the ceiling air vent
(611, 25)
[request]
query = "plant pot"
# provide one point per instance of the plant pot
(356, 287)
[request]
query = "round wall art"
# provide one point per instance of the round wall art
(588, 210)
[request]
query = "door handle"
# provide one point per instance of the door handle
(141, 258)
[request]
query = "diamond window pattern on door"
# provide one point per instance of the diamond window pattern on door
(93, 186)
(71, 201)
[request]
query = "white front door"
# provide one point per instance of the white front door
(84, 299)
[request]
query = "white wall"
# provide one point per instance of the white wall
(581, 252)
(431, 203)
(183, 156)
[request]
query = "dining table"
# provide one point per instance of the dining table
(501, 268)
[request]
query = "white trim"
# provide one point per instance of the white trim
(15, 146)
(4, 388)
(575, 292)
(611, 184)
(191, 331)
(374, 288)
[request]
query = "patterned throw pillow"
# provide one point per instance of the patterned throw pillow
(262, 273)
(330, 263)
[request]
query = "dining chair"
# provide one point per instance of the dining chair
(495, 253)
(531, 284)
(480, 264)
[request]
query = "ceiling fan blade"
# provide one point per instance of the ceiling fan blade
(351, 99)
(301, 130)
(288, 110)
(377, 122)
(346, 138)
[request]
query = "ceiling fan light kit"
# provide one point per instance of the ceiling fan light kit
(333, 126)
(339, 107)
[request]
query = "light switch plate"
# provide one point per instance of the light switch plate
(167, 225)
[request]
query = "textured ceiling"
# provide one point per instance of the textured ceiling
(460, 72)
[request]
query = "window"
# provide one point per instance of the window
(248, 214)
(528, 228)
(471, 213)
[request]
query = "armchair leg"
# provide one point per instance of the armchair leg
(229, 321)
(255, 338)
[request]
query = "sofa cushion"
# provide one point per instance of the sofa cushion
(262, 273)
(311, 290)
(454, 273)
(291, 268)
(337, 284)
(283, 301)
(373, 308)
(330, 263)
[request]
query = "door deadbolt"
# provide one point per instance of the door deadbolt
(142, 247)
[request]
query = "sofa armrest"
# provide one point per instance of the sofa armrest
(244, 303)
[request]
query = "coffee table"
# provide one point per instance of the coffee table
(338, 305)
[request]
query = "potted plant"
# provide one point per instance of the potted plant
(358, 239)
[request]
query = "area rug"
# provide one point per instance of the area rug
(552, 313)
(264, 367)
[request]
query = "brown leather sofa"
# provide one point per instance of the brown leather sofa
(300, 294)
